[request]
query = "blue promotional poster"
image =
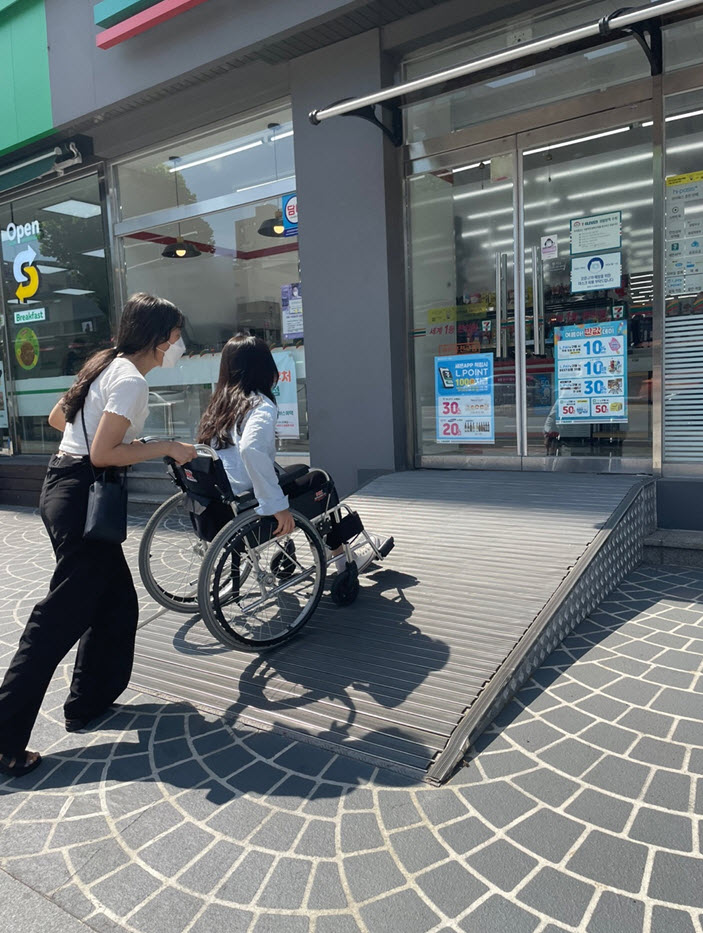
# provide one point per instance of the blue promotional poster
(464, 394)
(591, 372)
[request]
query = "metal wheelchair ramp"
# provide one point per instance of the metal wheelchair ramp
(489, 572)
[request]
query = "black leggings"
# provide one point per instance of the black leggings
(91, 601)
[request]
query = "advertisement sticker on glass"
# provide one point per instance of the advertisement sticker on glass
(464, 399)
(292, 311)
(596, 233)
(549, 247)
(591, 373)
(592, 273)
(286, 395)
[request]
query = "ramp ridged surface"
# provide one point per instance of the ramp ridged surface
(477, 556)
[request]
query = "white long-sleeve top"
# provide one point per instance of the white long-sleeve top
(249, 462)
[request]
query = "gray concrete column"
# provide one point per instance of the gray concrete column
(351, 251)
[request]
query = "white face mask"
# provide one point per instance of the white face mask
(173, 354)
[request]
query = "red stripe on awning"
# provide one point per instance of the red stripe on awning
(143, 21)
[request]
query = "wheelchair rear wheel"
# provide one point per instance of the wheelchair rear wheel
(170, 555)
(276, 591)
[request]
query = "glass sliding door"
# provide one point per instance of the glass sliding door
(463, 307)
(588, 260)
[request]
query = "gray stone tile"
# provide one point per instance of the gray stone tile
(441, 805)
(465, 834)
(669, 789)
(665, 830)
(504, 764)
(169, 912)
(324, 801)
(534, 735)
(680, 660)
(125, 889)
(348, 771)
(337, 923)
(679, 703)
(173, 851)
(279, 832)
(371, 874)
(220, 919)
(24, 838)
(397, 809)
(570, 693)
(29, 912)
(404, 912)
(291, 792)
(603, 707)
(150, 823)
(451, 888)
(502, 864)
(318, 840)
(267, 744)
(207, 873)
(96, 859)
(608, 737)
(647, 722)
(695, 762)
(547, 785)
(689, 732)
(698, 804)
(243, 884)
(73, 901)
(281, 923)
(286, 887)
(358, 798)
(417, 848)
(624, 665)
(617, 912)
(568, 719)
(327, 892)
(668, 920)
(571, 756)
(44, 873)
(677, 879)
(592, 675)
(305, 759)
(626, 778)
(258, 778)
(609, 860)
(557, 895)
(667, 677)
(359, 831)
(631, 690)
(239, 818)
(499, 915)
(498, 803)
(548, 834)
(658, 752)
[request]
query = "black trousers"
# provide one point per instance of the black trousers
(91, 601)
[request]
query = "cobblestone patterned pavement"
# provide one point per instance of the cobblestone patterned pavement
(580, 810)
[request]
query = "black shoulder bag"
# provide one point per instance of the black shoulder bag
(106, 519)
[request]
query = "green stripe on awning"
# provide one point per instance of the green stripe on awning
(28, 170)
(109, 12)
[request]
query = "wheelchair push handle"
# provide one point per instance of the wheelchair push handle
(202, 450)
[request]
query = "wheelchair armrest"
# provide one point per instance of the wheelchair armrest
(288, 476)
(244, 501)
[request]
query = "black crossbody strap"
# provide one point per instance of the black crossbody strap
(87, 442)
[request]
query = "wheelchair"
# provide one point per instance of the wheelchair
(207, 551)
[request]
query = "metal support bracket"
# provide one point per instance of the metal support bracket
(394, 132)
(647, 33)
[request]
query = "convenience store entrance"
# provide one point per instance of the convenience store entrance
(532, 280)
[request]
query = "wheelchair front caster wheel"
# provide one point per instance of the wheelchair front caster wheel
(345, 587)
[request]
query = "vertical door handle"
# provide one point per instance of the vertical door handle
(501, 300)
(538, 302)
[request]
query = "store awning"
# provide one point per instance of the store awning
(47, 163)
(644, 23)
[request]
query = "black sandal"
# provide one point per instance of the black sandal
(15, 769)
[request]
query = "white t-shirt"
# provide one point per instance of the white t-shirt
(120, 389)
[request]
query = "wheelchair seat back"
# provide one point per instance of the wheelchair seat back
(204, 479)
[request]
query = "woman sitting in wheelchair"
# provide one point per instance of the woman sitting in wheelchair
(240, 424)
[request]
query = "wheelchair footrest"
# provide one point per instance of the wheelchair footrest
(348, 528)
(387, 547)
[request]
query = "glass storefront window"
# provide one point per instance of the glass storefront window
(56, 300)
(241, 281)
(567, 76)
(224, 162)
(683, 324)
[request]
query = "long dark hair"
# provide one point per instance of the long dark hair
(146, 322)
(247, 367)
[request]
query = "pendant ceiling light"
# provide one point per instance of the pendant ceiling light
(180, 249)
(273, 226)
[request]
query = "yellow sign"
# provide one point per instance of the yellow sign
(687, 179)
(440, 315)
(27, 348)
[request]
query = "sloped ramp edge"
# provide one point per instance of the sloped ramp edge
(615, 551)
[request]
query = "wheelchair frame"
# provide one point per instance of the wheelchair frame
(345, 584)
